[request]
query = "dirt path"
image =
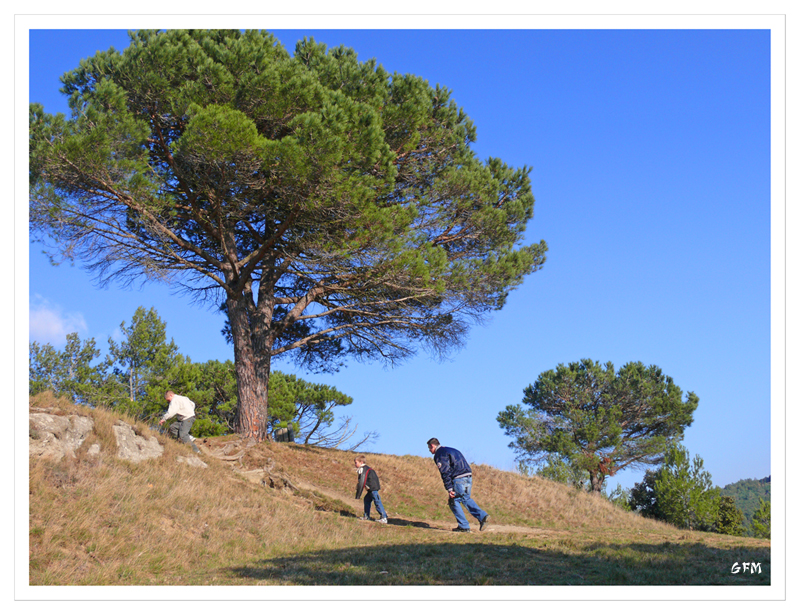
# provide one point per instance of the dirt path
(258, 476)
(431, 524)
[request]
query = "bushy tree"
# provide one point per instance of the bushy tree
(335, 209)
(183, 377)
(599, 420)
(730, 520)
(643, 496)
(213, 385)
(762, 520)
(219, 377)
(309, 409)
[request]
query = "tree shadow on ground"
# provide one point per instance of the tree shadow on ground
(475, 563)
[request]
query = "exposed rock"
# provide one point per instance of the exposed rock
(192, 461)
(254, 476)
(134, 447)
(54, 436)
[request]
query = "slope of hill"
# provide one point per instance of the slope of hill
(285, 514)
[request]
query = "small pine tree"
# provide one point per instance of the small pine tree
(685, 495)
(730, 520)
(142, 357)
(680, 492)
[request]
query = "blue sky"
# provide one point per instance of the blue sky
(651, 161)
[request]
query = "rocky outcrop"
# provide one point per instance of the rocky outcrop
(134, 447)
(54, 437)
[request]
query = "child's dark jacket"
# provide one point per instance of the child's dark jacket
(367, 478)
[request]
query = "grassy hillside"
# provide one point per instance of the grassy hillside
(104, 521)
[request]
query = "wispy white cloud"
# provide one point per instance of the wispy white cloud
(50, 324)
(118, 335)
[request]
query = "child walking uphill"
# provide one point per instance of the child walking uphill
(368, 479)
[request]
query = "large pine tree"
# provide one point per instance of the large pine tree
(334, 208)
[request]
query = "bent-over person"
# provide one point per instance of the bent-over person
(182, 408)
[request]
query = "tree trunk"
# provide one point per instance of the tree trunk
(252, 374)
(596, 478)
(311, 433)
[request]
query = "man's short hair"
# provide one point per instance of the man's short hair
(433, 441)
(168, 394)
(361, 458)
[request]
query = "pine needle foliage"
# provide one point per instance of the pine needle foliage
(334, 210)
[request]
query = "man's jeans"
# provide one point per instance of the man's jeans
(463, 488)
(369, 498)
(180, 429)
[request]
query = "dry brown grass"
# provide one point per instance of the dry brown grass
(411, 486)
(105, 521)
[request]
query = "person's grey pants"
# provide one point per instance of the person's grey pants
(180, 429)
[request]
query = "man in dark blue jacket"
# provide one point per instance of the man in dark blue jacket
(457, 478)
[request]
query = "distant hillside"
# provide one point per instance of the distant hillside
(746, 494)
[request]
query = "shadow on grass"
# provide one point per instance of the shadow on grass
(475, 563)
(393, 521)
(419, 524)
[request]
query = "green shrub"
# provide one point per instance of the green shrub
(208, 428)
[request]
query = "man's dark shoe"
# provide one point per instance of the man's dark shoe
(461, 529)
(484, 522)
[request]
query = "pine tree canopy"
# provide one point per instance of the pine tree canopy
(333, 208)
(601, 420)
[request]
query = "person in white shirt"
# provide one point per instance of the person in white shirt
(182, 408)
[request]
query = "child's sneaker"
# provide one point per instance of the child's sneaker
(383, 520)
